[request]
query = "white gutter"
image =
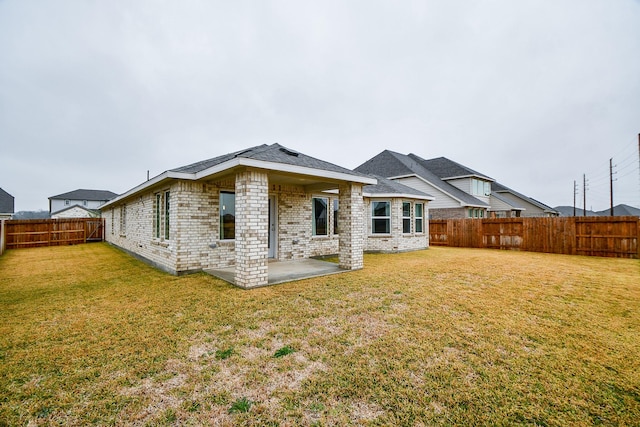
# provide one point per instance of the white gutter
(397, 196)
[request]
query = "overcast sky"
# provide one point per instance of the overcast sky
(533, 93)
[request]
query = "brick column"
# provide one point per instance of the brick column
(351, 224)
(252, 228)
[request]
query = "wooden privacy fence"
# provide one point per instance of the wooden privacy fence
(593, 236)
(31, 233)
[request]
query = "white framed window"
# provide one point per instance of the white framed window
(227, 215)
(320, 214)
(166, 214)
(476, 213)
(380, 217)
(406, 217)
(161, 214)
(480, 188)
(418, 214)
(123, 220)
(84, 203)
(66, 202)
(157, 217)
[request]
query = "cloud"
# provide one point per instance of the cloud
(533, 93)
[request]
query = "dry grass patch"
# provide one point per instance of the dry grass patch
(446, 336)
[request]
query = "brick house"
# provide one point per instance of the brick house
(263, 203)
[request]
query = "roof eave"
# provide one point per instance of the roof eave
(484, 178)
(397, 196)
(283, 167)
(150, 183)
(241, 161)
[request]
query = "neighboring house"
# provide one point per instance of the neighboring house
(451, 201)
(460, 192)
(7, 205)
(266, 202)
(79, 203)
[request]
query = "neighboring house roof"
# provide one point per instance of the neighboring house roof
(499, 188)
(90, 211)
(448, 169)
(6, 202)
(388, 188)
(395, 165)
(624, 210)
(82, 194)
(272, 157)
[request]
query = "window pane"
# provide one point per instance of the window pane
(419, 215)
(406, 209)
(380, 226)
(227, 216)
(320, 215)
(166, 215)
(418, 210)
(157, 222)
(406, 225)
(380, 208)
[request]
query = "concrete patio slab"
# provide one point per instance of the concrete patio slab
(285, 271)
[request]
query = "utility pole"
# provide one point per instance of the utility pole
(584, 194)
(611, 185)
(575, 192)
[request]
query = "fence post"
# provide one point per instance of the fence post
(3, 233)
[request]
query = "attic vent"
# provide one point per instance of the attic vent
(241, 153)
(289, 152)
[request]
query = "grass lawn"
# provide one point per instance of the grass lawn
(89, 335)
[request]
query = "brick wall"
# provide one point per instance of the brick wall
(351, 225)
(396, 241)
(252, 228)
(448, 213)
(137, 237)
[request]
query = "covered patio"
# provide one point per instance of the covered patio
(285, 271)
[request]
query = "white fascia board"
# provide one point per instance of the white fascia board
(409, 175)
(281, 167)
(481, 177)
(153, 181)
(396, 196)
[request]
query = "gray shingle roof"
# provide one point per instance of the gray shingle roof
(387, 186)
(445, 168)
(274, 153)
(497, 188)
(82, 194)
(391, 164)
(6, 202)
